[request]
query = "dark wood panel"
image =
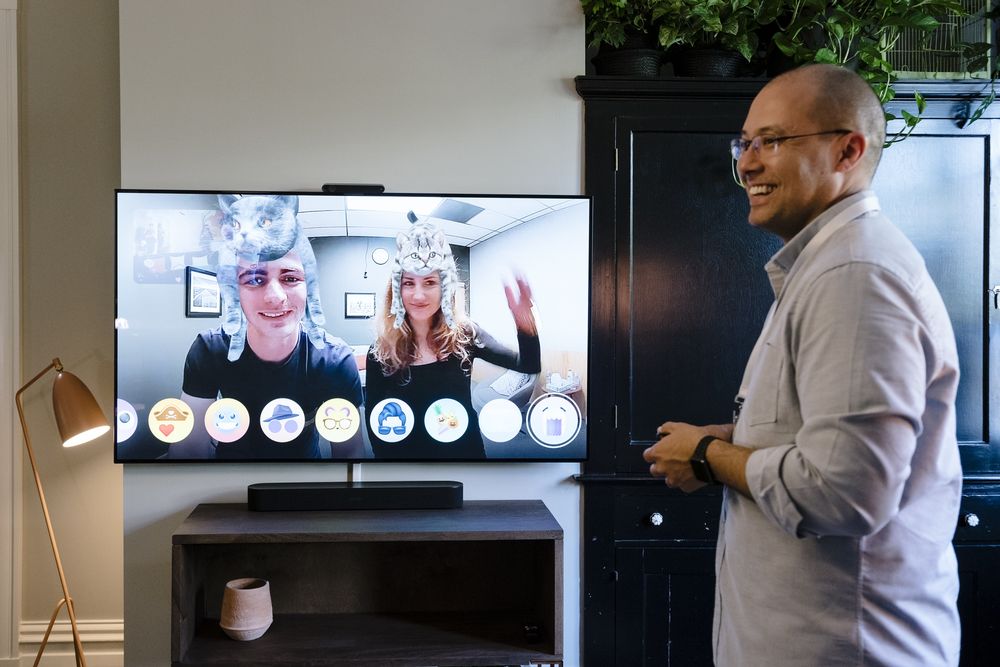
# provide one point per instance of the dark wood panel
(979, 590)
(698, 291)
(664, 606)
(314, 640)
(475, 520)
(951, 234)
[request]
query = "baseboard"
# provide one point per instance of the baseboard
(103, 643)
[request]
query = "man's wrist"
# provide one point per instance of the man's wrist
(699, 461)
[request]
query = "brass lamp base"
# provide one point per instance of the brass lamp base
(81, 661)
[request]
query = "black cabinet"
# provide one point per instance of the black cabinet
(679, 297)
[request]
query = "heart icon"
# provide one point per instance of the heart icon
(166, 429)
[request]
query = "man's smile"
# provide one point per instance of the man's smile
(754, 190)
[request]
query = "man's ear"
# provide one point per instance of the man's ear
(852, 151)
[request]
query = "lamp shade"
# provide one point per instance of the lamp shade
(78, 416)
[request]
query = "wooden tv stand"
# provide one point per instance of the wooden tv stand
(479, 585)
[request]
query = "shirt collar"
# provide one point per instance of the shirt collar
(782, 261)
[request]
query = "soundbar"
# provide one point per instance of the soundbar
(295, 496)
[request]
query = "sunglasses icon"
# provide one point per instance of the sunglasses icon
(276, 426)
(392, 410)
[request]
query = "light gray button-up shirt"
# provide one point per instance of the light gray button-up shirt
(844, 555)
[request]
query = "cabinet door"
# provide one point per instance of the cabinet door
(664, 606)
(979, 589)
(936, 187)
(692, 292)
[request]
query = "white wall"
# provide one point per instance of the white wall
(438, 95)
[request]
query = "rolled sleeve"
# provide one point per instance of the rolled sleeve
(767, 489)
(859, 377)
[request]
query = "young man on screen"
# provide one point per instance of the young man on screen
(842, 471)
(278, 362)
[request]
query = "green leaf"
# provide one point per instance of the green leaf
(784, 44)
(825, 55)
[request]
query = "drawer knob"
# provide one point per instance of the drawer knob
(655, 519)
(971, 520)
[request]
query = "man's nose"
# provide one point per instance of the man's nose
(274, 292)
(748, 161)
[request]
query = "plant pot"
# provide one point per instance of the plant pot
(639, 55)
(629, 62)
(707, 62)
(246, 609)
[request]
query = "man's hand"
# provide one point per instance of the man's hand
(670, 458)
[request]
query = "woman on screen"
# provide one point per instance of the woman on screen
(418, 390)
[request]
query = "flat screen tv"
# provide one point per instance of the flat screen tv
(294, 326)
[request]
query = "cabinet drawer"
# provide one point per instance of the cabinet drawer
(978, 519)
(680, 517)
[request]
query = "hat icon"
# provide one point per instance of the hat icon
(281, 411)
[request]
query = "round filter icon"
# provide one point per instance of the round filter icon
(553, 420)
(500, 420)
(337, 420)
(227, 420)
(171, 420)
(282, 420)
(391, 420)
(446, 420)
(126, 420)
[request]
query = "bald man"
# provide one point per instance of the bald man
(841, 471)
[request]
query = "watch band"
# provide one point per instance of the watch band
(699, 463)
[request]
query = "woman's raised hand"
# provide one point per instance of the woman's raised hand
(519, 301)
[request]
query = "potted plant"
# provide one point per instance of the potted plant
(862, 33)
(625, 32)
(712, 34)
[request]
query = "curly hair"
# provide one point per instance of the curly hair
(396, 348)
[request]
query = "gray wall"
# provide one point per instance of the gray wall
(69, 167)
(438, 95)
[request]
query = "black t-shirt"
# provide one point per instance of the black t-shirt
(309, 377)
(421, 385)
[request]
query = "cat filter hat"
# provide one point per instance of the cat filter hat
(421, 250)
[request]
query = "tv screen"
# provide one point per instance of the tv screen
(284, 326)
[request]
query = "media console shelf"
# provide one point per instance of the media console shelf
(479, 585)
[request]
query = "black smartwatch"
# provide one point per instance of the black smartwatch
(699, 463)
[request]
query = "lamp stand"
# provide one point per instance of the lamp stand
(66, 600)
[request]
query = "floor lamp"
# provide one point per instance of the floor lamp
(79, 420)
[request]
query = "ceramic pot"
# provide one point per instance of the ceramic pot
(246, 608)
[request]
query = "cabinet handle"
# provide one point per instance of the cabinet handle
(996, 296)
(970, 520)
(655, 519)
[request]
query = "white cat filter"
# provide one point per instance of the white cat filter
(312, 404)
(421, 250)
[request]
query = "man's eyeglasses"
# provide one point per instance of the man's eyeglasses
(768, 144)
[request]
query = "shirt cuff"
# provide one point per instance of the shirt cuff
(768, 489)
